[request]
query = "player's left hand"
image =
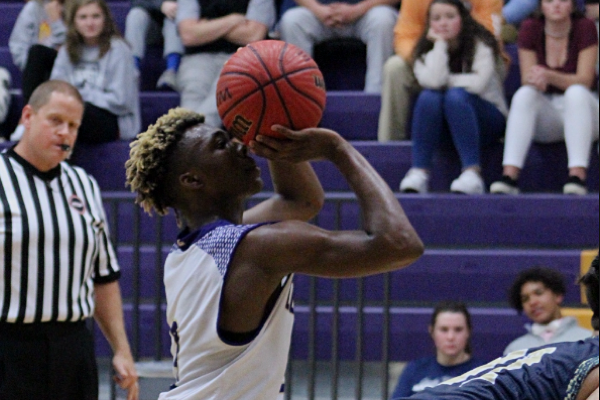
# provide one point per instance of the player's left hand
(126, 375)
(297, 146)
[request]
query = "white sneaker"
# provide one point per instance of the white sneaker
(415, 181)
(18, 133)
(469, 182)
(167, 80)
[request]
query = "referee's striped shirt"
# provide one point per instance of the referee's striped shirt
(54, 243)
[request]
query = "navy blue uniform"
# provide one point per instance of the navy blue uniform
(553, 372)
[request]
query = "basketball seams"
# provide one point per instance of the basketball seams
(297, 96)
(264, 101)
(271, 81)
(284, 75)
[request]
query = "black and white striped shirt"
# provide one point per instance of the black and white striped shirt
(54, 242)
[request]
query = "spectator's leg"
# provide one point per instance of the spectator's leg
(530, 113)
(198, 90)
(136, 30)
(40, 61)
(399, 84)
(515, 11)
(173, 43)
(300, 27)
(172, 51)
(581, 127)
(427, 127)
(472, 122)
(376, 30)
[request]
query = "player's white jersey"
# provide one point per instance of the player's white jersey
(205, 366)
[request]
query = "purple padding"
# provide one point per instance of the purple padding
(493, 329)
(354, 115)
(8, 15)
(149, 283)
(119, 10)
(481, 275)
(6, 61)
(155, 104)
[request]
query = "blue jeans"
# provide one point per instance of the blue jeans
(470, 121)
(515, 11)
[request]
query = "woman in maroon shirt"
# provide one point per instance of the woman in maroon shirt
(557, 57)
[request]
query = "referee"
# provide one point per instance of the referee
(57, 266)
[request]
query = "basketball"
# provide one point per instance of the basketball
(269, 82)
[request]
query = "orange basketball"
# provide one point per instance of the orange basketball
(269, 82)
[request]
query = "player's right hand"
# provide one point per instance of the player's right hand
(305, 145)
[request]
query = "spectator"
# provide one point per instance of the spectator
(98, 62)
(450, 330)
(539, 293)
(557, 56)
(399, 83)
(38, 33)
(458, 63)
(211, 32)
(370, 21)
(144, 20)
(4, 94)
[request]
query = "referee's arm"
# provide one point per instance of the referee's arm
(109, 316)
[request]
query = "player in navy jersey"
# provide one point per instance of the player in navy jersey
(228, 280)
(560, 371)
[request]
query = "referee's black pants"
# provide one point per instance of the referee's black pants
(47, 361)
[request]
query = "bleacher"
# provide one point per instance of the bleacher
(475, 244)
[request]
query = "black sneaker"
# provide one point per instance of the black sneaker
(507, 185)
(575, 186)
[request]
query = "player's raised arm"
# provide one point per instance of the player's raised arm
(298, 194)
(388, 241)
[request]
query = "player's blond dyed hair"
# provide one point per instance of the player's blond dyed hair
(148, 158)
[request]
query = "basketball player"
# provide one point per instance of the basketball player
(560, 371)
(228, 279)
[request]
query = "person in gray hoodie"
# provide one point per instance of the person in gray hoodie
(99, 63)
(539, 293)
(38, 33)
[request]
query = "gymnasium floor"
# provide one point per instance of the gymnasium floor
(347, 381)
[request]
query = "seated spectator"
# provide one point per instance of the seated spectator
(5, 82)
(399, 83)
(38, 33)
(144, 20)
(316, 21)
(557, 56)
(539, 293)
(211, 32)
(450, 330)
(459, 65)
(99, 63)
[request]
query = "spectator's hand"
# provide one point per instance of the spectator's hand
(54, 10)
(324, 13)
(344, 13)
(434, 36)
(126, 375)
(169, 8)
(538, 77)
(305, 145)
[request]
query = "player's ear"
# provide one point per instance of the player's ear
(190, 180)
